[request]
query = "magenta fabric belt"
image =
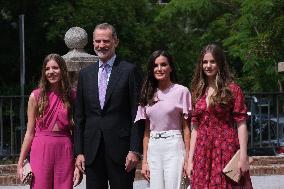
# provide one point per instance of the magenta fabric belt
(53, 133)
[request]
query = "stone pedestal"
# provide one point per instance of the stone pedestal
(76, 39)
(280, 66)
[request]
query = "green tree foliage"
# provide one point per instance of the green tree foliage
(7, 54)
(132, 19)
(188, 25)
(47, 22)
(37, 44)
(257, 37)
(250, 31)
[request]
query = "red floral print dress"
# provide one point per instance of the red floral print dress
(217, 141)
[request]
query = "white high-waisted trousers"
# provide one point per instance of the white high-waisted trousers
(165, 156)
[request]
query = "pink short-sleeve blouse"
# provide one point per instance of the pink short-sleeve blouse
(170, 107)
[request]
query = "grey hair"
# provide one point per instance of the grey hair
(105, 26)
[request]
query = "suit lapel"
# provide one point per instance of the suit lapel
(94, 83)
(114, 77)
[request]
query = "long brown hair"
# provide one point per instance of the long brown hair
(223, 78)
(150, 82)
(64, 89)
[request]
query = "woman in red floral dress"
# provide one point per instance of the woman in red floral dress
(219, 103)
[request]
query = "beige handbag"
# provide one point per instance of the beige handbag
(231, 169)
(27, 173)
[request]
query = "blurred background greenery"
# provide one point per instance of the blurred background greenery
(250, 31)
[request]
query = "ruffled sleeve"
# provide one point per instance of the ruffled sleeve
(197, 112)
(185, 102)
(194, 118)
(240, 108)
(141, 113)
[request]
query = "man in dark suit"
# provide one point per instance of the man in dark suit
(107, 143)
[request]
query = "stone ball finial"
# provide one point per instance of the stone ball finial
(76, 38)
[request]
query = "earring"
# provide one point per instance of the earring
(218, 75)
(217, 80)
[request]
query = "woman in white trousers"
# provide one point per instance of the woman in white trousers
(165, 106)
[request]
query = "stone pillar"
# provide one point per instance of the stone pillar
(280, 69)
(76, 39)
(280, 83)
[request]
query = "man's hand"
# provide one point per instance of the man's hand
(80, 162)
(131, 161)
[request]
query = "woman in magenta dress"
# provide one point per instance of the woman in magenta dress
(48, 135)
(218, 104)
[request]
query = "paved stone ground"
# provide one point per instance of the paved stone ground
(259, 182)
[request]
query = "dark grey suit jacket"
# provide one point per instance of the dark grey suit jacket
(115, 121)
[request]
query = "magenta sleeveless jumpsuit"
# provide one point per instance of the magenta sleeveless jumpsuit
(51, 156)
